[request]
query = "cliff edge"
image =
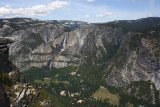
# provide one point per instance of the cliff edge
(5, 66)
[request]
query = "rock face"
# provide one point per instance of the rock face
(4, 100)
(33, 46)
(4, 67)
(128, 49)
(15, 90)
(139, 64)
(82, 42)
(4, 55)
(21, 93)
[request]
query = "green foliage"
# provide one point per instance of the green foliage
(34, 40)
(64, 53)
(37, 73)
(90, 75)
(67, 29)
(121, 57)
(94, 103)
(24, 50)
(134, 42)
(87, 80)
(60, 80)
(111, 48)
(103, 93)
(5, 79)
(141, 90)
(144, 88)
(31, 42)
(55, 84)
(45, 96)
(124, 99)
(53, 49)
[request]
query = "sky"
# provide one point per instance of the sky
(81, 10)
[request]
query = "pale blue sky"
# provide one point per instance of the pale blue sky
(83, 10)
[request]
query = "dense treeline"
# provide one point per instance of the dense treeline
(62, 80)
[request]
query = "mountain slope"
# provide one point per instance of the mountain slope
(15, 90)
(134, 54)
(126, 51)
(33, 41)
(114, 54)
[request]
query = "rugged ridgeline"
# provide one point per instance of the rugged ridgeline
(14, 90)
(127, 52)
(70, 23)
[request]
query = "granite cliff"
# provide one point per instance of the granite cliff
(15, 91)
(5, 67)
(132, 54)
(128, 51)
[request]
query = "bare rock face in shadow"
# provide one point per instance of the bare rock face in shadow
(4, 100)
(5, 66)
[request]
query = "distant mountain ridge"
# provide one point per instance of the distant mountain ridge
(70, 23)
(136, 25)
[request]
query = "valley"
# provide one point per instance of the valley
(105, 64)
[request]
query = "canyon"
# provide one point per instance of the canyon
(128, 51)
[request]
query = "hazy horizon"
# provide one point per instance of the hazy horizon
(93, 11)
(76, 20)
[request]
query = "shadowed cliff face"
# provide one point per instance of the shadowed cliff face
(5, 67)
(4, 100)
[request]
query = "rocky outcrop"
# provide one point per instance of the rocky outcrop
(34, 46)
(22, 94)
(140, 63)
(4, 55)
(15, 91)
(5, 67)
